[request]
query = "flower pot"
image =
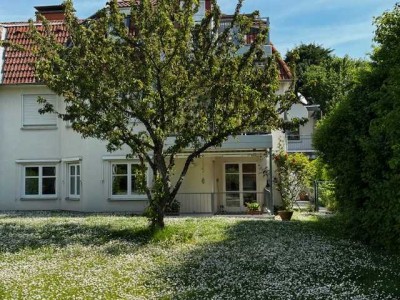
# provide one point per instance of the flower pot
(254, 212)
(303, 196)
(285, 215)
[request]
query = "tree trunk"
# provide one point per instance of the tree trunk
(159, 220)
(158, 207)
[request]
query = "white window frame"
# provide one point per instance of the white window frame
(27, 125)
(77, 181)
(241, 190)
(201, 12)
(40, 177)
(130, 195)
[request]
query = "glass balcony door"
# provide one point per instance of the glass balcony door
(240, 185)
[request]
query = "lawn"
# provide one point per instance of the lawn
(70, 256)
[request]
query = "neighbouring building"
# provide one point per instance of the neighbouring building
(45, 165)
(300, 139)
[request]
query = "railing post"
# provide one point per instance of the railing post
(316, 206)
(212, 203)
(271, 181)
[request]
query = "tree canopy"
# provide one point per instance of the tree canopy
(321, 77)
(164, 76)
(360, 141)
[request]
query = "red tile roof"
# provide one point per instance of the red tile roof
(127, 3)
(123, 3)
(284, 70)
(18, 65)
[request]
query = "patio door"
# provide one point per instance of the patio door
(240, 185)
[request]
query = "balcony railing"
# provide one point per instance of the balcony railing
(212, 203)
(300, 143)
(197, 203)
(259, 23)
(249, 38)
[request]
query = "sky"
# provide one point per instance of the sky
(346, 26)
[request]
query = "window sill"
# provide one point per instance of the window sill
(38, 199)
(137, 198)
(72, 199)
(38, 127)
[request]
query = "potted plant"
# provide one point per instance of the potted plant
(253, 208)
(303, 196)
(293, 174)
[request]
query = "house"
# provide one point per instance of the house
(300, 139)
(45, 165)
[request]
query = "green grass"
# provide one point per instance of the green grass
(70, 256)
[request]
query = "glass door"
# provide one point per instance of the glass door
(232, 187)
(249, 183)
(240, 185)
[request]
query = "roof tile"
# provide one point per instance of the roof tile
(18, 65)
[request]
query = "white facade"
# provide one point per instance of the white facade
(45, 165)
(300, 140)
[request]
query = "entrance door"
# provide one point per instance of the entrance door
(240, 185)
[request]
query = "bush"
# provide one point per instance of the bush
(327, 198)
(360, 141)
(294, 174)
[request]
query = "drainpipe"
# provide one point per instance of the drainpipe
(271, 182)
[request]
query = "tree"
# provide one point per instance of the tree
(329, 82)
(179, 79)
(321, 77)
(360, 142)
(306, 55)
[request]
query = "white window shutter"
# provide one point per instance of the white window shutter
(31, 115)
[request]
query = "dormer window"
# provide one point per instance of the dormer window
(127, 22)
(201, 12)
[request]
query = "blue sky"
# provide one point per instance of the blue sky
(343, 25)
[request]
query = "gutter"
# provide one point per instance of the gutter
(3, 33)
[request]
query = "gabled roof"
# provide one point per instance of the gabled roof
(127, 3)
(18, 65)
(284, 70)
(123, 3)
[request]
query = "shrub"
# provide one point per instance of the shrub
(294, 174)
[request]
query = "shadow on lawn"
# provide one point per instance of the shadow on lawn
(217, 258)
(16, 236)
(55, 214)
(279, 260)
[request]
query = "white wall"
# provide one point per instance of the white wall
(60, 143)
(64, 145)
(298, 110)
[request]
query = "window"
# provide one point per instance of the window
(124, 181)
(127, 21)
(294, 134)
(240, 185)
(40, 181)
(74, 181)
(30, 111)
(201, 12)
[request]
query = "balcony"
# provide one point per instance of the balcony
(259, 23)
(300, 143)
(249, 142)
(213, 203)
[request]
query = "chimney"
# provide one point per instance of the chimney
(51, 12)
(208, 5)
